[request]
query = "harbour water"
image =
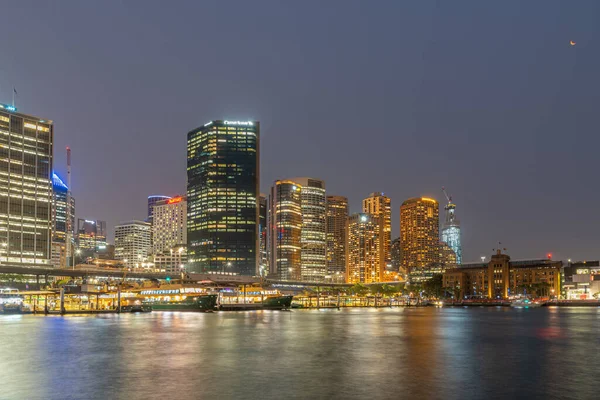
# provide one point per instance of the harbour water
(411, 353)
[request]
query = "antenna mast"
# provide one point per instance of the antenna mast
(68, 222)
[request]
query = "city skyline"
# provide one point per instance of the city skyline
(437, 94)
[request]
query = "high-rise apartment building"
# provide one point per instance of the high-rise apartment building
(91, 236)
(285, 230)
(59, 210)
(169, 227)
(380, 205)
(222, 192)
(263, 259)
(337, 214)
(419, 233)
(25, 188)
(152, 200)
(451, 230)
(314, 229)
(365, 257)
(132, 243)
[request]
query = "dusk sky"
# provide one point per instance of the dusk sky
(487, 98)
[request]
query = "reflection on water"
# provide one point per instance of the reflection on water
(423, 353)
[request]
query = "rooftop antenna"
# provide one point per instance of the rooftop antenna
(69, 225)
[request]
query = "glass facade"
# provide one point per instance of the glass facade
(314, 229)
(25, 188)
(451, 231)
(59, 210)
(263, 263)
(285, 225)
(152, 200)
(222, 192)
(337, 213)
(91, 236)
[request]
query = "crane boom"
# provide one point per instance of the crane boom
(449, 198)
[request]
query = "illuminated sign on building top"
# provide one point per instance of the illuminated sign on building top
(12, 108)
(175, 200)
(243, 123)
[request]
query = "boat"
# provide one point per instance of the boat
(278, 303)
(526, 303)
(201, 302)
(12, 303)
(136, 308)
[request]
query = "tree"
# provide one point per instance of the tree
(434, 286)
(359, 289)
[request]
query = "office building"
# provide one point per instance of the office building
(285, 230)
(365, 259)
(169, 223)
(59, 210)
(451, 230)
(502, 278)
(152, 200)
(314, 229)
(90, 236)
(396, 256)
(25, 189)
(337, 214)
(172, 260)
(419, 233)
(222, 192)
(581, 280)
(132, 243)
(263, 260)
(380, 205)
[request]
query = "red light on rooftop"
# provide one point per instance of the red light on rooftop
(175, 200)
(549, 255)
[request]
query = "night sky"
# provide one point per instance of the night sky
(486, 98)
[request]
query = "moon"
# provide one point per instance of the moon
(572, 43)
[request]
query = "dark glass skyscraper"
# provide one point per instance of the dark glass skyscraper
(59, 210)
(222, 192)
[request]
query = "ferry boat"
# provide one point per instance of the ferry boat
(201, 302)
(526, 303)
(255, 298)
(174, 298)
(12, 303)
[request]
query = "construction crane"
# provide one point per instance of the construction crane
(449, 198)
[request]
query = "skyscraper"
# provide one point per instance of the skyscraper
(314, 229)
(91, 236)
(152, 200)
(379, 204)
(364, 251)
(263, 259)
(169, 227)
(132, 243)
(337, 213)
(285, 230)
(59, 210)
(451, 229)
(396, 253)
(25, 188)
(419, 233)
(222, 192)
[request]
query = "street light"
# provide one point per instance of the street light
(77, 252)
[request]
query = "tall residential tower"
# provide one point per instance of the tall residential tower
(222, 192)
(419, 233)
(365, 261)
(337, 213)
(380, 205)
